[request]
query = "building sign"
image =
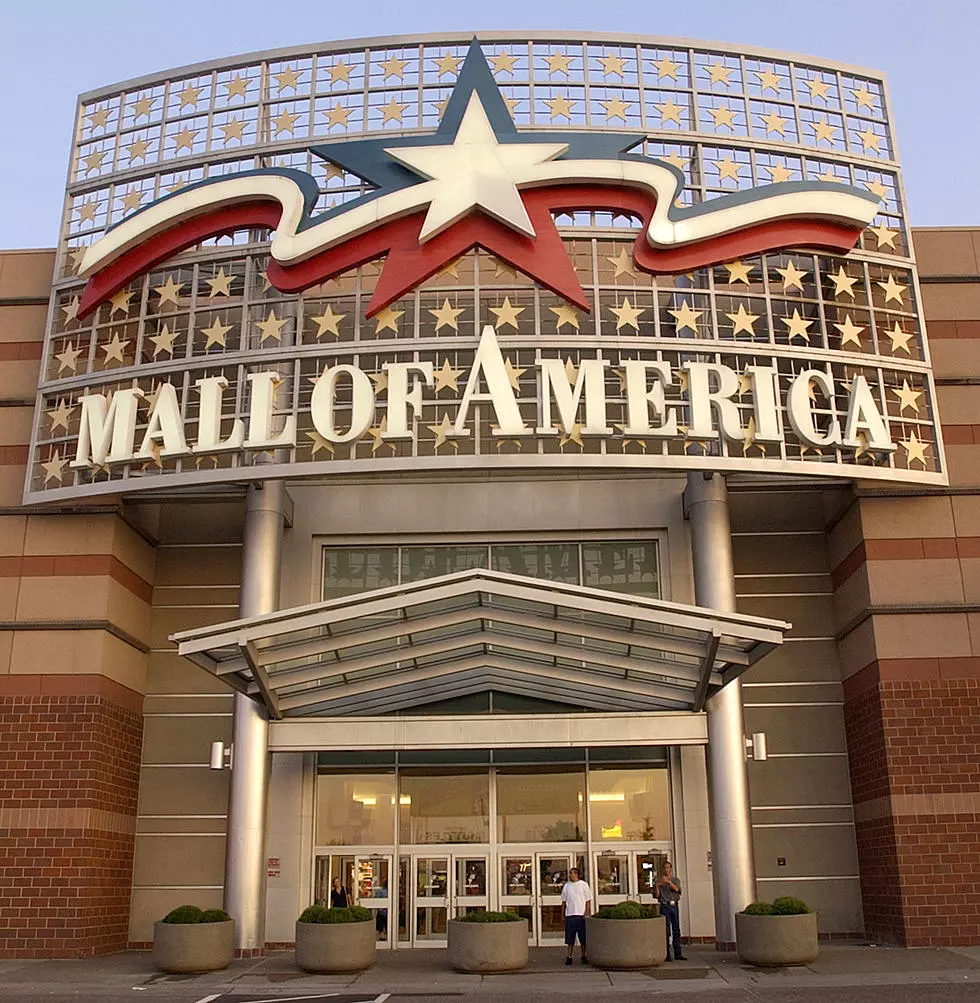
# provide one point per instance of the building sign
(559, 271)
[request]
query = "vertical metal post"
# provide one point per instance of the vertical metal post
(245, 876)
(733, 865)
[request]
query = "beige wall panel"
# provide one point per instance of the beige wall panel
(959, 405)
(20, 378)
(183, 790)
(809, 852)
(290, 839)
(922, 635)
(167, 595)
(12, 531)
(129, 612)
(26, 273)
(914, 582)
(846, 534)
(796, 555)
(22, 323)
(15, 429)
(944, 251)
(179, 860)
(973, 621)
(857, 648)
(167, 672)
(811, 616)
(806, 816)
(177, 826)
(134, 551)
(198, 565)
(951, 301)
(213, 522)
(183, 739)
(908, 518)
(78, 651)
(9, 590)
(955, 358)
(802, 691)
(190, 703)
(169, 620)
(6, 645)
(55, 597)
(69, 534)
(819, 780)
(797, 661)
(776, 511)
(797, 729)
(836, 902)
(753, 585)
(12, 485)
(852, 597)
(966, 514)
(963, 466)
(150, 904)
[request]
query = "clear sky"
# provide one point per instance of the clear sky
(52, 51)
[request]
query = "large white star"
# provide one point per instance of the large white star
(476, 172)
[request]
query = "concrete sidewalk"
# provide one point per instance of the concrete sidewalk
(424, 973)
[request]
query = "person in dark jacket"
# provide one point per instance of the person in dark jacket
(668, 891)
(338, 895)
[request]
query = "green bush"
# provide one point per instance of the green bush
(485, 916)
(786, 905)
(346, 914)
(759, 909)
(184, 914)
(627, 910)
(214, 916)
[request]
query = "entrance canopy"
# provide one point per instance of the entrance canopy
(404, 647)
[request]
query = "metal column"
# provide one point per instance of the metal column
(733, 870)
(245, 874)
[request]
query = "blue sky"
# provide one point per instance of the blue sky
(52, 51)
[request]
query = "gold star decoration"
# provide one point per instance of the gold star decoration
(234, 128)
(559, 107)
(177, 185)
(338, 115)
(387, 320)
(627, 315)
(394, 67)
(271, 327)
(447, 316)
(452, 269)
(285, 121)
(86, 211)
(514, 373)
(908, 397)
(288, 78)
(876, 188)
(728, 168)
(380, 381)
(339, 72)
(830, 177)
(623, 263)
(849, 332)
(864, 97)
(378, 435)
(565, 314)
(328, 322)
(319, 443)
(447, 64)
(143, 107)
(823, 130)
(164, 341)
(93, 161)
(670, 112)
(70, 310)
(138, 148)
(54, 466)
(870, 140)
(843, 283)
(169, 292)
(612, 65)
(132, 200)
(506, 314)
(738, 271)
(504, 62)
(685, 317)
(220, 284)
(120, 302)
(719, 74)
(892, 290)
(615, 108)
(68, 358)
(447, 377)
(216, 334)
(60, 416)
(392, 111)
(237, 87)
(743, 320)
(677, 160)
(797, 326)
(666, 68)
(99, 118)
(748, 440)
(792, 277)
(189, 96)
(115, 349)
(722, 117)
(768, 81)
(818, 87)
(558, 62)
(915, 449)
(774, 123)
(443, 432)
(778, 173)
(184, 139)
(884, 236)
(570, 435)
(899, 339)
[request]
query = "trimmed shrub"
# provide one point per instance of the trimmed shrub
(759, 909)
(627, 910)
(184, 914)
(486, 916)
(214, 916)
(346, 914)
(786, 905)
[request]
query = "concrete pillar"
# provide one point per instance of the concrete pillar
(733, 864)
(245, 864)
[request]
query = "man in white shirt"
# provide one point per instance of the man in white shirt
(576, 900)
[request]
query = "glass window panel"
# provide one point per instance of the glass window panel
(554, 562)
(348, 570)
(445, 808)
(629, 804)
(419, 563)
(622, 566)
(541, 807)
(355, 809)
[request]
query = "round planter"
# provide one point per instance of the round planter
(335, 947)
(487, 947)
(625, 943)
(193, 947)
(776, 940)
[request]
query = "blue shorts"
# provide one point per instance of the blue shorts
(574, 925)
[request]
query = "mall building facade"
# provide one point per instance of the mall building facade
(604, 521)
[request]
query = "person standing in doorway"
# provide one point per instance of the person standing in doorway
(338, 895)
(576, 901)
(668, 891)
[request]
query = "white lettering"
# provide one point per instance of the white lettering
(863, 416)
(165, 427)
(640, 400)
(400, 397)
(765, 403)
(209, 421)
(323, 404)
(261, 411)
(106, 431)
(799, 408)
(590, 379)
(489, 363)
(704, 401)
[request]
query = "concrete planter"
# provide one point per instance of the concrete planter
(335, 947)
(776, 940)
(625, 943)
(193, 947)
(487, 947)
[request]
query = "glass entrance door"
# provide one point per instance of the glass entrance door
(646, 870)
(372, 878)
(552, 872)
(431, 883)
(612, 878)
(470, 888)
(517, 890)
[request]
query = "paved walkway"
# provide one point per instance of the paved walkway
(423, 974)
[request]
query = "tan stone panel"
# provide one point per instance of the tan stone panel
(167, 672)
(183, 790)
(198, 565)
(970, 573)
(973, 622)
(797, 728)
(922, 635)
(124, 663)
(6, 644)
(202, 523)
(174, 619)
(811, 616)
(836, 901)
(951, 301)
(185, 860)
(12, 530)
(955, 358)
(791, 691)
(959, 405)
(129, 612)
(78, 651)
(188, 703)
(178, 825)
(151, 904)
(9, 589)
(169, 595)
(815, 780)
(12, 485)
(803, 554)
(22, 323)
(852, 597)
(963, 465)
(843, 813)
(19, 378)
(966, 514)
(846, 534)
(69, 534)
(133, 550)
(797, 661)
(857, 648)
(58, 597)
(908, 518)
(26, 273)
(945, 251)
(15, 429)
(184, 739)
(808, 852)
(749, 585)
(913, 582)
(762, 511)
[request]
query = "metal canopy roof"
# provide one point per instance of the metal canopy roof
(402, 647)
